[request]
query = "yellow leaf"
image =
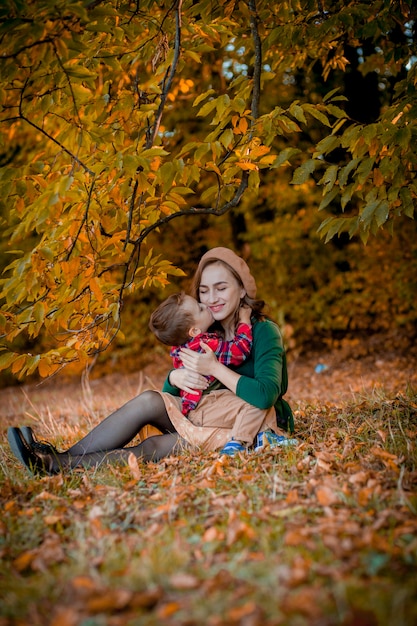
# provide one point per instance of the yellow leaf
(95, 288)
(244, 165)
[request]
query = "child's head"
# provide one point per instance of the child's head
(178, 318)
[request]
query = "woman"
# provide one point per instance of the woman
(247, 405)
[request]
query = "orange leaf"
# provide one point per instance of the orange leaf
(383, 454)
(24, 560)
(239, 613)
(65, 616)
(213, 534)
(292, 496)
(295, 537)
(110, 600)
(326, 496)
(51, 520)
(239, 530)
(378, 178)
(84, 585)
(134, 466)
(168, 609)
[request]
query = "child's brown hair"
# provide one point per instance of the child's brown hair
(169, 323)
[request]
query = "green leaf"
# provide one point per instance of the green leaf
(329, 178)
(329, 143)
(328, 198)
(6, 359)
(303, 173)
(336, 111)
(298, 112)
(193, 55)
(346, 170)
(207, 108)
(79, 71)
(403, 136)
(284, 156)
(368, 212)
(203, 96)
(365, 169)
(315, 112)
(382, 213)
(407, 202)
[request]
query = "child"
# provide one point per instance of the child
(182, 322)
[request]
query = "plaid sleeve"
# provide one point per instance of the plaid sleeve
(236, 351)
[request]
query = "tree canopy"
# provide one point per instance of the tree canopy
(119, 117)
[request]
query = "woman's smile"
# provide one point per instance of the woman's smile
(216, 308)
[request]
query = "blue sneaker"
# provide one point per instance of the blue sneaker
(232, 448)
(269, 439)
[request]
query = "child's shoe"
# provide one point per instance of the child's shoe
(232, 448)
(269, 439)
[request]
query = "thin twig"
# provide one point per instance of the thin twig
(130, 215)
(171, 74)
(83, 221)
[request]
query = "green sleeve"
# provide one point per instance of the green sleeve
(263, 376)
(168, 388)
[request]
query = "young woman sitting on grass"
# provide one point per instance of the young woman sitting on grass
(247, 409)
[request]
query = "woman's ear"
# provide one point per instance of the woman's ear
(242, 293)
(193, 332)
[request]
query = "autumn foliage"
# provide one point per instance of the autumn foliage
(119, 119)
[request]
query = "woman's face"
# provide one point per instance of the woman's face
(220, 292)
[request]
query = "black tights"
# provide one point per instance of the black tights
(106, 442)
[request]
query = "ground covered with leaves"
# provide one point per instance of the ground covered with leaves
(324, 533)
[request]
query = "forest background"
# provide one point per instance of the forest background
(137, 135)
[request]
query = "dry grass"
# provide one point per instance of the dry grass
(318, 535)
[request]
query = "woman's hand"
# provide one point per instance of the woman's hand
(187, 380)
(201, 362)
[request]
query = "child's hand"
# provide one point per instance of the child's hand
(244, 314)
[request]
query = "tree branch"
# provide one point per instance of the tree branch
(172, 72)
(130, 216)
(257, 68)
(83, 221)
(44, 132)
(63, 148)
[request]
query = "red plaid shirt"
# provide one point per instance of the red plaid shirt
(232, 352)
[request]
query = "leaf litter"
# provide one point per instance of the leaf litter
(324, 533)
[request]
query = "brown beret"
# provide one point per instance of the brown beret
(236, 262)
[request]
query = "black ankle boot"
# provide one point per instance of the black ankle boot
(36, 461)
(38, 446)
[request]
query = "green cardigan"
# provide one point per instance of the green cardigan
(264, 376)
